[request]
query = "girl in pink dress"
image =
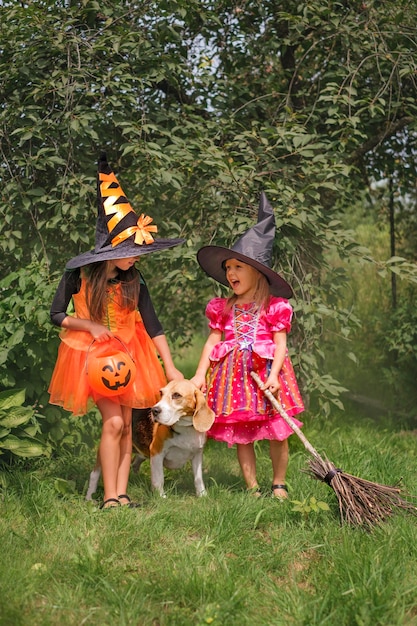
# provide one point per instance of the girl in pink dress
(248, 331)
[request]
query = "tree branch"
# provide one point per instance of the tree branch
(390, 129)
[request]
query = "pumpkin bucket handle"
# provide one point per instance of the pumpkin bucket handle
(110, 370)
(94, 340)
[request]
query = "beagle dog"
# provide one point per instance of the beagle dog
(171, 433)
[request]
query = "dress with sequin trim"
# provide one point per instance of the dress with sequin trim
(243, 413)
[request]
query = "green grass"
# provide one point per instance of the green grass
(226, 559)
(186, 357)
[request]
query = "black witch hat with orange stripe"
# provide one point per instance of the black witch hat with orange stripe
(119, 232)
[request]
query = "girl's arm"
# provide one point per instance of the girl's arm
(97, 331)
(146, 309)
(154, 329)
(199, 378)
(280, 340)
(161, 344)
(69, 285)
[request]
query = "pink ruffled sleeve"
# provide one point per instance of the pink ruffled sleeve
(214, 313)
(279, 314)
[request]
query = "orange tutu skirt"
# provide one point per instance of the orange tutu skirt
(70, 387)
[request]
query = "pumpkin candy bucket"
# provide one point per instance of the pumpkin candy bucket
(110, 369)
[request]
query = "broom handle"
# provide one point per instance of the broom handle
(286, 417)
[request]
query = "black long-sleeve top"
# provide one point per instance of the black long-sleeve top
(70, 284)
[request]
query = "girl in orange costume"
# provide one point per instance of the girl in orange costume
(112, 309)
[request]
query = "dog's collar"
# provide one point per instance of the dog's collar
(175, 431)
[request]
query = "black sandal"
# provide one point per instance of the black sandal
(129, 504)
(283, 487)
(111, 503)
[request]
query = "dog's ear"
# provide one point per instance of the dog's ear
(160, 434)
(203, 417)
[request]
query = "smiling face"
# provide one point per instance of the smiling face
(242, 278)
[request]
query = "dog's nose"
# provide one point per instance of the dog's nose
(155, 410)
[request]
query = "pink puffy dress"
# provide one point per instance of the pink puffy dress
(243, 413)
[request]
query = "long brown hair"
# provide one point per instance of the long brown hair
(97, 288)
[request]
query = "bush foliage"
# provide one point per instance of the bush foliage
(199, 107)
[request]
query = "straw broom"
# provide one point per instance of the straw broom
(361, 502)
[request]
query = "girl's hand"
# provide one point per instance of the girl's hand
(99, 332)
(272, 383)
(173, 374)
(200, 382)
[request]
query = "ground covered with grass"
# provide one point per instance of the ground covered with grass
(226, 559)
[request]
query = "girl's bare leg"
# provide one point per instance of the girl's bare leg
(247, 461)
(115, 447)
(278, 451)
(125, 451)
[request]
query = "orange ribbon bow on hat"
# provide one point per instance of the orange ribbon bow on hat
(142, 232)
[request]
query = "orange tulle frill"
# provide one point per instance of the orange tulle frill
(69, 386)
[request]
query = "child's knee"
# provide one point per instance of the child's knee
(114, 426)
(278, 447)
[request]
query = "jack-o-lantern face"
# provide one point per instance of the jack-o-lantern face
(116, 375)
(111, 374)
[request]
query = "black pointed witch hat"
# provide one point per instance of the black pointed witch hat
(119, 232)
(254, 248)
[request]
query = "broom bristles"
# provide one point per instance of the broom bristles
(361, 502)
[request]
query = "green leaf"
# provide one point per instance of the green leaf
(23, 447)
(17, 337)
(65, 487)
(323, 506)
(11, 398)
(31, 430)
(37, 192)
(15, 416)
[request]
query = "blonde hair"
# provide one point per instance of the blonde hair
(96, 289)
(262, 293)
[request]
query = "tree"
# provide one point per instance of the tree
(200, 106)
